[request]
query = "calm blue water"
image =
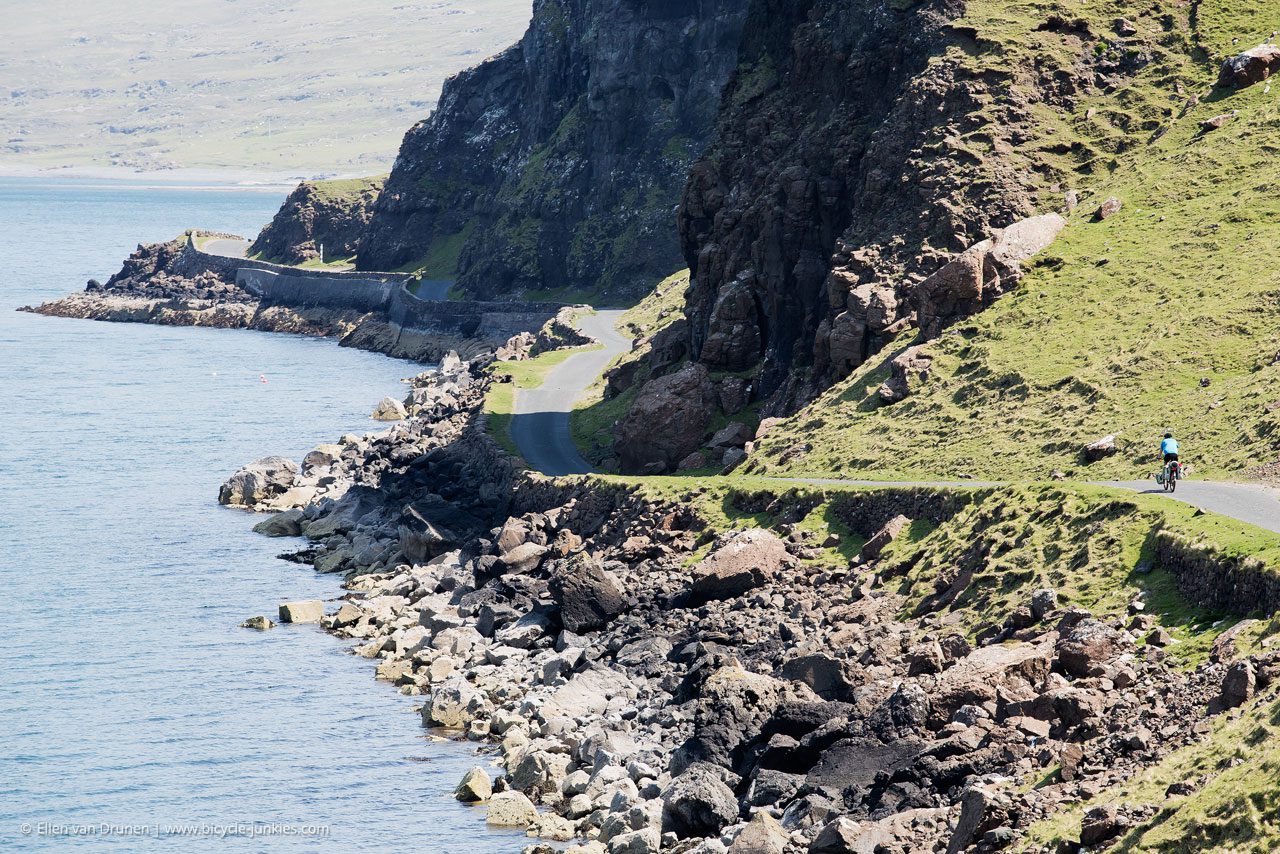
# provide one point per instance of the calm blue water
(128, 696)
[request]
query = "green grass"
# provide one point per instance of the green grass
(1237, 810)
(346, 190)
(1162, 317)
(441, 258)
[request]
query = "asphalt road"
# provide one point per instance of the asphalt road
(540, 425)
(227, 248)
(540, 429)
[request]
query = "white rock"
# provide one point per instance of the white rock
(307, 611)
(511, 809)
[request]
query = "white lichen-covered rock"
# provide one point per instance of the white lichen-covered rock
(475, 786)
(308, 611)
(390, 409)
(455, 704)
(511, 809)
(258, 482)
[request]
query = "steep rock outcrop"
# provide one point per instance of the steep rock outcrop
(839, 180)
(328, 214)
(558, 163)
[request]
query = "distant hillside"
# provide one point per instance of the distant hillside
(275, 86)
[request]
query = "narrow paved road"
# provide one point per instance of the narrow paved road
(540, 426)
(540, 430)
(226, 247)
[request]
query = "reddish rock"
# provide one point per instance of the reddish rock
(747, 560)
(667, 420)
(1252, 66)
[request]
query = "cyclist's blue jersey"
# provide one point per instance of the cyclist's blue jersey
(1169, 446)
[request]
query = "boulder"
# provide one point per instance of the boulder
(735, 434)
(308, 611)
(321, 459)
(698, 803)
(1101, 823)
(259, 623)
(981, 809)
(824, 673)
(1109, 208)
(286, 524)
(1087, 647)
(1100, 448)
(454, 704)
(735, 393)
(1217, 123)
(907, 371)
(667, 420)
(390, 409)
(745, 561)
(588, 596)
(882, 538)
(258, 482)
(1253, 66)
(1239, 684)
(523, 558)
(846, 836)
(762, 835)
(511, 809)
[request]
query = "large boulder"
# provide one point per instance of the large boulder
(1253, 66)
(745, 561)
(1086, 649)
(475, 786)
(762, 835)
(588, 596)
(307, 611)
(511, 809)
(907, 371)
(666, 421)
(390, 409)
(258, 482)
(455, 703)
(698, 803)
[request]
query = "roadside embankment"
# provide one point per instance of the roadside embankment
(711, 664)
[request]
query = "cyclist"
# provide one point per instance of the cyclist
(1169, 448)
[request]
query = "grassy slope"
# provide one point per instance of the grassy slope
(593, 417)
(1117, 326)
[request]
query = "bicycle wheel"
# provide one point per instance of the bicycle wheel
(1172, 480)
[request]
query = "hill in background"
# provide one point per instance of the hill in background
(278, 87)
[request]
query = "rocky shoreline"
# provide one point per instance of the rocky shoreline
(652, 680)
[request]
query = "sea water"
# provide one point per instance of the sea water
(133, 709)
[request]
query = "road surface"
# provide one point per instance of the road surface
(540, 429)
(540, 425)
(226, 247)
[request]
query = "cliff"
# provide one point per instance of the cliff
(328, 215)
(558, 163)
(861, 146)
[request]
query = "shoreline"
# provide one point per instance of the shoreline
(192, 179)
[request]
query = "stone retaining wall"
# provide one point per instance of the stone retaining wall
(1205, 576)
(387, 294)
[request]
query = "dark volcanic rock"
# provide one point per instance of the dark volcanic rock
(558, 162)
(698, 803)
(667, 420)
(332, 214)
(588, 596)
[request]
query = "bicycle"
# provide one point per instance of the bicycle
(1169, 476)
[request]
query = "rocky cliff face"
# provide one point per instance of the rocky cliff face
(859, 148)
(558, 163)
(328, 215)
